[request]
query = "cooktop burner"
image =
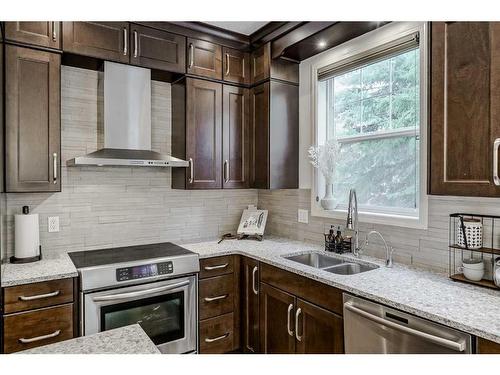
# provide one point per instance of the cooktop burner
(93, 258)
(133, 264)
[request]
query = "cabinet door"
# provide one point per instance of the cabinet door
(276, 321)
(204, 134)
(33, 129)
(38, 33)
(250, 305)
(236, 66)
(465, 109)
(204, 59)
(236, 142)
(318, 331)
(260, 64)
(259, 117)
(157, 49)
(104, 40)
(487, 347)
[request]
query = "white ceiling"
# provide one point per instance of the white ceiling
(242, 27)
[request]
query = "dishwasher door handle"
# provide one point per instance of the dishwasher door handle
(453, 345)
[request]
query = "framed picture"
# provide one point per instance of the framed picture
(253, 222)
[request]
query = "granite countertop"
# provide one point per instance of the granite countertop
(424, 293)
(49, 268)
(125, 340)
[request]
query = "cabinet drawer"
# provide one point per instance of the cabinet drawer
(216, 266)
(216, 296)
(217, 335)
(33, 296)
(36, 328)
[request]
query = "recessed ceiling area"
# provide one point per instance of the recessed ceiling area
(242, 27)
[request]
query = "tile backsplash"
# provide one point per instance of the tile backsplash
(117, 206)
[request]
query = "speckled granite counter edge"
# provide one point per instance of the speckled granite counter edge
(356, 291)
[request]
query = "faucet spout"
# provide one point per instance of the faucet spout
(352, 221)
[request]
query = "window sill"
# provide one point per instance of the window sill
(373, 218)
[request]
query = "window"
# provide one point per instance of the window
(370, 103)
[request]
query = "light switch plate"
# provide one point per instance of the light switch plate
(53, 224)
(303, 216)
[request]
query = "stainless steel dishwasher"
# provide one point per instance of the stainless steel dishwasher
(371, 328)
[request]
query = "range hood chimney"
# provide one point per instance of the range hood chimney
(127, 122)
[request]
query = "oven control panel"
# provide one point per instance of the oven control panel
(144, 270)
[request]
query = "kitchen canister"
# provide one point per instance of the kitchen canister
(26, 238)
(473, 232)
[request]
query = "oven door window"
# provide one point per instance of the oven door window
(161, 317)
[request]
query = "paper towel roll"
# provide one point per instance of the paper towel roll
(27, 236)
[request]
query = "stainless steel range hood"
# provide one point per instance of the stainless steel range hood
(126, 136)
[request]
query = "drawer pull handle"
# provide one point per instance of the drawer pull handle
(220, 266)
(40, 296)
(210, 299)
(39, 338)
(208, 339)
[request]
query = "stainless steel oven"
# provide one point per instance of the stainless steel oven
(154, 285)
(166, 310)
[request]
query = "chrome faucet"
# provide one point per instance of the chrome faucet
(352, 221)
(388, 249)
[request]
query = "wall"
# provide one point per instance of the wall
(116, 206)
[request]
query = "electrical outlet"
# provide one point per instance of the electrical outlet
(53, 224)
(303, 216)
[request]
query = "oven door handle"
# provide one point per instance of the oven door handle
(139, 293)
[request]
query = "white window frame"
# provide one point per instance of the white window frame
(383, 35)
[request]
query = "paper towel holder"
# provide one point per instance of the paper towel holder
(15, 260)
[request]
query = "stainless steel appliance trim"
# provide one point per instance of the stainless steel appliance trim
(288, 320)
(211, 268)
(457, 346)
(40, 296)
(209, 340)
(210, 299)
(254, 279)
(91, 312)
(297, 315)
(40, 338)
(142, 293)
(496, 145)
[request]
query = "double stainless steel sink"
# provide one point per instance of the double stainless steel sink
(331, 264)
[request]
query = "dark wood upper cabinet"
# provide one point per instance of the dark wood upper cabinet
(275, 133)
(33, 129)
(104, 40)
(37, 33)
(320, 331)
(156, 49)
(236, 137)
(260, 63)
(236, 66)
(204, 59)
(203, 134)
(465, 108)
(277, 330)
(250, 305)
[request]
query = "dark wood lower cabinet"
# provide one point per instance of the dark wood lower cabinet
(320, 331)
(487, 347)
(276, 321)
(250, 305)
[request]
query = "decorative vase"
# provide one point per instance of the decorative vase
(327, 202)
